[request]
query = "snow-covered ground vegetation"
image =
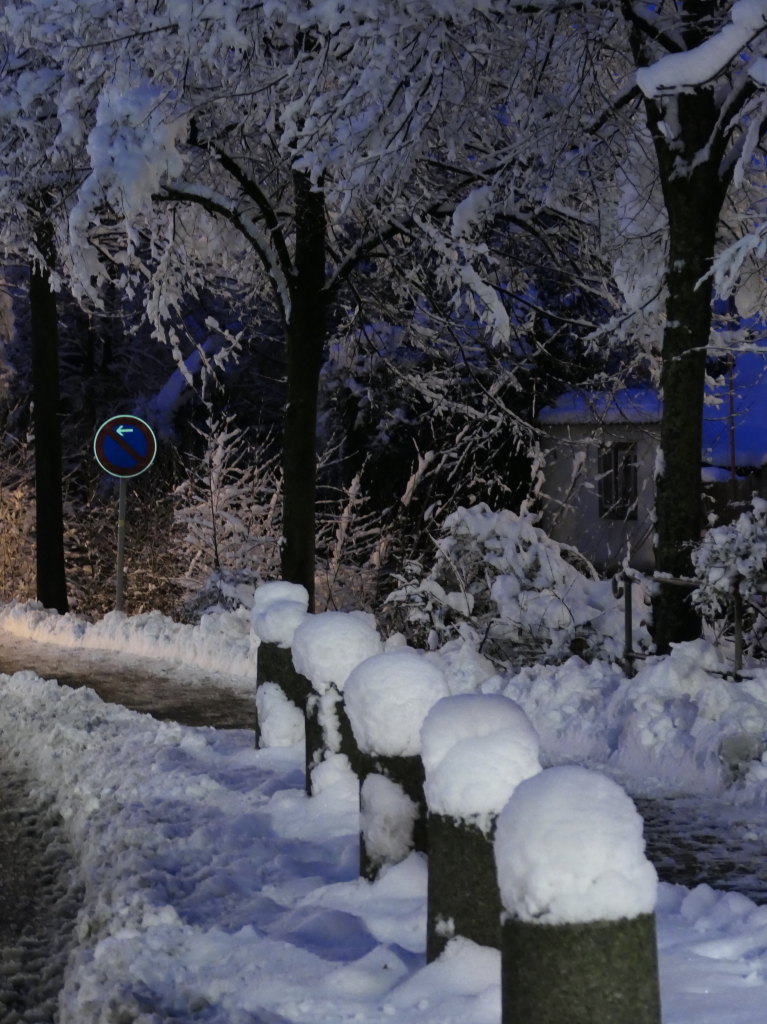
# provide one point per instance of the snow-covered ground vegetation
(730, 557)
(501, 583)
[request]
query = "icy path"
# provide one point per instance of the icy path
(39, 900)
(167, 691)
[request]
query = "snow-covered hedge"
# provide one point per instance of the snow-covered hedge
(734, 556)
(502, 583)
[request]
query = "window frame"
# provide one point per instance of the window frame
(618, 490)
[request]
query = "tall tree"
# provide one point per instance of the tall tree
(291, 129)
(49, 530)
(30, 177)
(705, 126)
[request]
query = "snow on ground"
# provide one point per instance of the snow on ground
(216, 890)
(667, 730)
(222, 643)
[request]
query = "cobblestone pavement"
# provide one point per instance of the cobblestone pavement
(39, 899)
(696, 839)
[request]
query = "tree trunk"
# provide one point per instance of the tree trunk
(51, 579)
(305, 342)
(693, 202)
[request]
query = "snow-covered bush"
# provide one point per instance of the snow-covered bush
(230, 508)
(502, 584)
(734, 556)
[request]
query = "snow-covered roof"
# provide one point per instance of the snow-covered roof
(629, 405)
(643, 405)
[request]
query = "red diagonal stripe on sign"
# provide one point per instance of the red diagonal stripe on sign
(118, 439)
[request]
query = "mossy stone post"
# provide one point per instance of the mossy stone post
(325, 649)
(578, 942)
(387, 698)
(463, 896)
(600, 972)
(408, 773)
(275, 665)
(328, 732)
(476, 748)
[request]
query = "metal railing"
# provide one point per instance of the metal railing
(622, 583)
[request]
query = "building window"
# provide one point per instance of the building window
(618, 481)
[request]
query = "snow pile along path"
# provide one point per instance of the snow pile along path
(222, 642)
(669, 729)
(216, 890)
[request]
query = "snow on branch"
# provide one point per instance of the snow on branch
(680, 72)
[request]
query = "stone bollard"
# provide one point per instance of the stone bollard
(387, 698)
(278, 608)
(476, 749)
(325, 649)
(275, 665)
(578, 939)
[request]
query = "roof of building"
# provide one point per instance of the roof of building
(643, 405)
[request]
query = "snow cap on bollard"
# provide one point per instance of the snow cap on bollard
(326, 647)
(569, 849)
(279, 608)
(387, 698)
(476, 749)
(578, 942)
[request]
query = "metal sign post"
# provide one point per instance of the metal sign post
(124, 446)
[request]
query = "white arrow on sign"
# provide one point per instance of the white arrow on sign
(124, 430)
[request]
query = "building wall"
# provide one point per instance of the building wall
(571, 498)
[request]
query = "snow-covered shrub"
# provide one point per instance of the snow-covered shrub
(502, 584)
(734, 556)
(229, 507)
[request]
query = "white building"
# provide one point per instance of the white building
(599, 490)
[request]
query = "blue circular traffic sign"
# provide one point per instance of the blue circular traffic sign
(125, 446)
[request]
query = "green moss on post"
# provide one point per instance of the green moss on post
(463, 894)
(601, 972)
(409, 773)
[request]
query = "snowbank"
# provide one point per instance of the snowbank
(476, 750)
(569, 849)
(328, 646)
(663, 730)
(221, 643)
(387, 698)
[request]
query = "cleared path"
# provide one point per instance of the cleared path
(178, 693)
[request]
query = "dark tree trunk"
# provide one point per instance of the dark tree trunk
(51, 579)
(693, 202)
(305, 342)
